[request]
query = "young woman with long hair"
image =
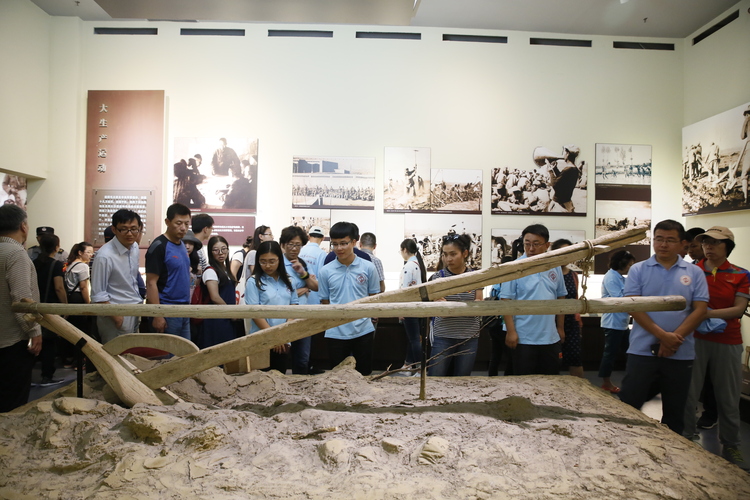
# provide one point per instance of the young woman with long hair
(412, 274)
(219, 282)
(461, 334)
(77, 282)
(270, 285)
(262, 233)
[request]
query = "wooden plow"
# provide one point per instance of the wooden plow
(133, 388)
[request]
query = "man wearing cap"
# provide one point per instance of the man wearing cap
(314, 256)
(661, 348)
(115, 276)
(719, 354)
(36, 250)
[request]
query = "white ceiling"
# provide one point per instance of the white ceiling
(641, 18)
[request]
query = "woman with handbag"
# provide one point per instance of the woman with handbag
(77, 283)
(219, 283)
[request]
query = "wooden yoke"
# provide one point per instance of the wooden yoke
(178, 369)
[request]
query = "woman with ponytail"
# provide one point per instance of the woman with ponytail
(412, 274)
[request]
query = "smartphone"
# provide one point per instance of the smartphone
(655, 349)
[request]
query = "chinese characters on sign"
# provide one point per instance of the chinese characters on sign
(102, 152)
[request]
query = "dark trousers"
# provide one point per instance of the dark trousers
(360, 348)
(497, 336)
(536, 359)
(15, 373)
(671, 376)
(49, 353)
(301, 356)
(413, 329)
(614, 342)
(708, 397)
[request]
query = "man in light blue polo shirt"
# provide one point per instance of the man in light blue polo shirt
(346, 279)
(662, 347)
(535, 339)
(314, 256)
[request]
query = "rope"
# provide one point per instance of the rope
(586, 265)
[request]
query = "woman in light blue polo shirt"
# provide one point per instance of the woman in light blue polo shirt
(270, 285)
(615, 325)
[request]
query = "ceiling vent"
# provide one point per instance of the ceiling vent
(560, 42)
(716, 27)
(475, 38)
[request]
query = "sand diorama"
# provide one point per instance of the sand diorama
(182, 428)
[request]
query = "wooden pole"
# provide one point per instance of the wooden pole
(127, 387)
(355, 311)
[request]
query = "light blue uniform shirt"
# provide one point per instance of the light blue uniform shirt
(649, 278)
(274, 293)
(297, 283)
(613, 285)
(342, 284)
(536, 329)
(114, 276)
(313, 256)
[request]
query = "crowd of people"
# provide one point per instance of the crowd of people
(684, 355)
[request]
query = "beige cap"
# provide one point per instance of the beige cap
(717, 233)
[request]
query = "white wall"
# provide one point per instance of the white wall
(24, 84)
(717, 78)
(475, 105)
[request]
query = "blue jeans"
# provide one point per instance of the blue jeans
(179, 327)
(301, 356)
(614, 340)
(412, 327)
(462, 365)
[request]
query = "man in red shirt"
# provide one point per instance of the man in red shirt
(720, 354)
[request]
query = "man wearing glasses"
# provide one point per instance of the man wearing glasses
(535, 339)
(662, 347)
(115, 276)
(168, 271)
(344, 280)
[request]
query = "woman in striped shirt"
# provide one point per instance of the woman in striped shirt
(459, 334)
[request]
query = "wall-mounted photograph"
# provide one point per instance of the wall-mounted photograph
(406, 178)
(14, 191)
(216, 173)
(456, 191)
(430, 230)
(551, 184)
(333, 182)
(309, 217)
(502, 242)
(623, 164)
(716, 163)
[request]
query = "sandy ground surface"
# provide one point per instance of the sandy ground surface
(339, 435)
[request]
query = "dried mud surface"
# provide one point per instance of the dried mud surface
(339, 435)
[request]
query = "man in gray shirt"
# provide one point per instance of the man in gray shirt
(367, 243)
(20, 340)
(114, 277)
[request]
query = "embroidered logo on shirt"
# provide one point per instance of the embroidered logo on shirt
(685, 279)
(553, 275)
(361, 278)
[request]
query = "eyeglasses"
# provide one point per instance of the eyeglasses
(341, 245)
(220, 250)
(710, 242)
(669, 241)
(293, 245)
(131, 230)
(533, 244)
(271, 262)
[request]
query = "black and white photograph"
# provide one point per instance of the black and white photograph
(456, 191)
(552, 184)
(623, 164)
(716, 163)
(502, 242)
(618, 215)
(428, 231)
(15, 191)
(216, 173)
(309, 217)
(333, 182)
(406, 178)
